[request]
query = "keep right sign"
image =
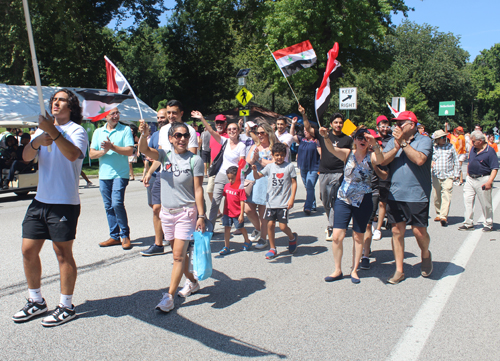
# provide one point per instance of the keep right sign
(348, 98)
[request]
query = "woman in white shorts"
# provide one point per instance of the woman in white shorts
(181, 204)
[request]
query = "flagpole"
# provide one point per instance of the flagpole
(126, 82)
(34, 61)
(283, 74)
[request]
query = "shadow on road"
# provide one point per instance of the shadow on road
(223, 293)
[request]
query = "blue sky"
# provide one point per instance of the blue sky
(474, 21)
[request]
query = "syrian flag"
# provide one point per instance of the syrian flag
(295, 57)
(117, 83)
(98, 103)
(323, 93)
(393, 111)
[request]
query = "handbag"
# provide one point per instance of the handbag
(202, 255)
(216, 164)
(248, 186)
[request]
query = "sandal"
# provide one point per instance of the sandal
(224, 251)
(247, 246)
(271, 254)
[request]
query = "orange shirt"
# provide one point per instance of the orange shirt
(494, 146)
(460, 144)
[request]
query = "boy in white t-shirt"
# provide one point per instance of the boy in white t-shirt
(54, 212)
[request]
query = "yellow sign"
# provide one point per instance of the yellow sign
(348, 127)
(245, 113)
(244, 96)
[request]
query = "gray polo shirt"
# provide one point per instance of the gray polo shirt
(410, 182)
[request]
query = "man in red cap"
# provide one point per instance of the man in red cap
(215, 147)
(409, 156)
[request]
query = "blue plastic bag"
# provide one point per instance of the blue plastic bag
(202, 255)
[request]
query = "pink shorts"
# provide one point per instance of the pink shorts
(179, 225)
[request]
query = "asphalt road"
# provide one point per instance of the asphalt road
(252, 307)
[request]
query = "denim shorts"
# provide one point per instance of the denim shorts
(229, 221)
(342, 213)
(179, 225)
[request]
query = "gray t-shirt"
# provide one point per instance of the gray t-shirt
(177, 183)
(279, 184)
(205, 141)
(410, 182)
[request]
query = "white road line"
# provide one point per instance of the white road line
(412, 342)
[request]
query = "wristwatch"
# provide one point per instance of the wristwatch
(403, 144)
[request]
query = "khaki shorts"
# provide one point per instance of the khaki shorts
(211, 184)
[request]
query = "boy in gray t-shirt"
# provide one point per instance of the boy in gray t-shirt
(281, 189)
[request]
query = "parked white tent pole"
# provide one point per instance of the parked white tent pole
(34, 60)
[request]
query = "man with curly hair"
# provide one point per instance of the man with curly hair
(54, 212)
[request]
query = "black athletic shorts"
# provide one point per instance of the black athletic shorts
(384, 194)
(413, 213)
(156, 190)
(205, 156)
(277, 214)
(51, 221)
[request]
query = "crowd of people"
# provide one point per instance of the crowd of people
(364, 177)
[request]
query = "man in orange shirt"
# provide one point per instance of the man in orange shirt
(458, 140)
(491, 142)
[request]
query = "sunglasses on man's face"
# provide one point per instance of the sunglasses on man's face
(220, 122)
(180, 135)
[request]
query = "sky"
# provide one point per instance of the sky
(474, 21)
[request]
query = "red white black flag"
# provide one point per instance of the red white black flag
(332, 72)
(295, 57)
(98, 103)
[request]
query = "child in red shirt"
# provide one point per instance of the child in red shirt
(234, 205)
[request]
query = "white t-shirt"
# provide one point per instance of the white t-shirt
(165, 144)
(58, 178)
(287, 139)
(231, 156)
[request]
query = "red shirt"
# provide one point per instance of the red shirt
(232, 206)
(216, 146)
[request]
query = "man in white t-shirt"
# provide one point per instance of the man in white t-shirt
(283, 136)
(54, 212)
(175, 110)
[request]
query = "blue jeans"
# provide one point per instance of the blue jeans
(309, 178)
(113, 195)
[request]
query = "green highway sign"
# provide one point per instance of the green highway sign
(446, 108)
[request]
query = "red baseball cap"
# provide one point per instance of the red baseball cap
(221, 117)
(381, 118)
(406, 115)
(374, 133)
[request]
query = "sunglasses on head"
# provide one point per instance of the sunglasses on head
(180, 135)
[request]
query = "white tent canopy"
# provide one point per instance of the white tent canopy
(20, 103)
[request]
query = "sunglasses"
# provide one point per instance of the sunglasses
(220, 122)
(180, 135)
(360, 137)
(261, 133)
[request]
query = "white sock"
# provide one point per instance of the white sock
(35, 294)
(66, 301)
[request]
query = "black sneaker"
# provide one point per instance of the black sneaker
(365, 263)
(153, 250)
(60, 315)
(31, 309)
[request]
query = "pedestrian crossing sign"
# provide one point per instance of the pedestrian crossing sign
(245, 113)
(244, 96)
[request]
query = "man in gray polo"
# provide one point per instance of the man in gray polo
(409, 156)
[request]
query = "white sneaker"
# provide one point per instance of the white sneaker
(262, 243)
(166, 304)
(189, 288)
(254, 236)
(374, 226)
(377, 235)
(328, 234)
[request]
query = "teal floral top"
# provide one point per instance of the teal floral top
(357, 180)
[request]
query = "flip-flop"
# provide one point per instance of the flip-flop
(247, 246)
(224, 251)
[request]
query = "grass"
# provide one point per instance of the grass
(94, 169)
